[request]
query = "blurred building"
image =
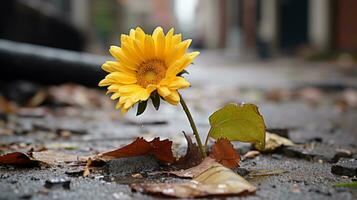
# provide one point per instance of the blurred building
(259, 27)
(285, 26)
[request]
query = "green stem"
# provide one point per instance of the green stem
(206, 141)
(193, 126)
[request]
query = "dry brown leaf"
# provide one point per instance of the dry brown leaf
(274, 141)
(36, 158)
(161, 150)
(56, 158)
(224, 153)
(214, 181)
(194, 171)
(192, 157)
(76, 95)
(86, 171)
(312, 95)
(18, 159)
(36, 100)
(7, 106)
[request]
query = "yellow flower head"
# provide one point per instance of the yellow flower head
(146, 64)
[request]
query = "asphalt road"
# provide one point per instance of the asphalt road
(305, 102)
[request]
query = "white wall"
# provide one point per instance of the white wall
(319, 23)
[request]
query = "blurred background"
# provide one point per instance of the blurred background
(269, 44)
(247, 28)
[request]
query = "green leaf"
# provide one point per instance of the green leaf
(348, 185)
(183, 72)
(238, 123)
(155, 98)
(141, 107)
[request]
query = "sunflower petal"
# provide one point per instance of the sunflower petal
(139, 34)
(129, 103)
(120, 77)
(149, 47)
(141, 95)
(115, 96)
(178, 66)
(118, 54)
(178, 83)
(159, 39)
(164, 91)
(105, 82)
(114, 87)
(113, 66)
(129, 89)
(173, 98)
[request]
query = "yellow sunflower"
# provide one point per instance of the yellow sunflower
(146, 64)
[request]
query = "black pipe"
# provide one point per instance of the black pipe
(20, 61)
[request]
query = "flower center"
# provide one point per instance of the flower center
(151, 72)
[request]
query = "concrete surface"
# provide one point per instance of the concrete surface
(322, 130)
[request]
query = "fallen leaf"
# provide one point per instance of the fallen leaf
(216, 180)
(56, 158)
(36, 158)
(18, 159)
(251, 154)
(312, 95)
(7, 106)
(76, 95)
(274, 141)
(224, 153)
(137, 175)
(194, 171)
(37, 99)
(161, 150)
(192, 157)
(86, 171)
(350, 97)
(241, 122)
(278, 94)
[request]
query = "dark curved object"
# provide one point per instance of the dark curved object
(22, 23)
(20, 61)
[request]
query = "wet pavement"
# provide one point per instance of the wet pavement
(310, 103)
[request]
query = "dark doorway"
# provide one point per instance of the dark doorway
(293, 23)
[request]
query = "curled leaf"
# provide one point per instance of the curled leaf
(224, 153)
(86, 171)
(192, 157)
(216, 180)
(274, 141)
(18, 159)
(160, 149)
(241, 122)
(194, 171)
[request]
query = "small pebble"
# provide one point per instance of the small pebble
(251, 154)
(58, 183)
